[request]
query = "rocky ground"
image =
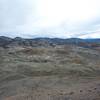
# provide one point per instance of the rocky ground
(63, 72)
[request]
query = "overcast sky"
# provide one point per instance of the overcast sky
(50, 18)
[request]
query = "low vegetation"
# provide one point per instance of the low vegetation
(32, 73)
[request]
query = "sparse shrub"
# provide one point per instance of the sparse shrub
(33, 51)
(77, 60)
(62, 51)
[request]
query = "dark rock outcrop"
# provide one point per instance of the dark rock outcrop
(9, 42)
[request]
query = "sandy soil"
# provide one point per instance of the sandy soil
(81, 90)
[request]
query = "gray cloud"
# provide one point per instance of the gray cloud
(25, 18)
(15, 14)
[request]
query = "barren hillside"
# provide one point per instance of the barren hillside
(51, 71)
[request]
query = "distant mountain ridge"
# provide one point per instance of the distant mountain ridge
(18, 41)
